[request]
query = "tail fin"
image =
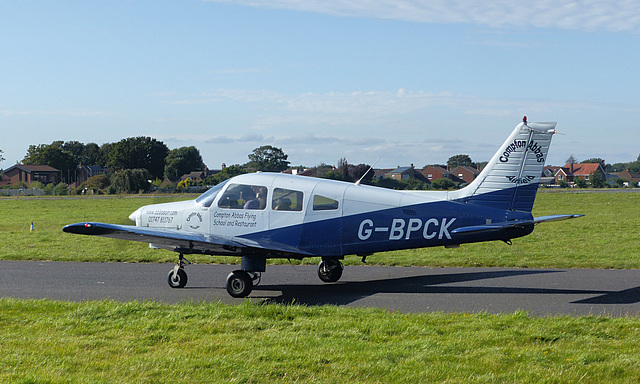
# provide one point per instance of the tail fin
(510, 180)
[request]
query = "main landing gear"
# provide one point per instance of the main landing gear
(330, 270)
(240, 283)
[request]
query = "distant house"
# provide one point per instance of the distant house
(465, 174)
(193, 176)
(380, 173)
(570, 172)
(632, 177)
(402, 173)
(434, 172)
(200, 175)
(549, 174)
(32, 173)
(85, 172)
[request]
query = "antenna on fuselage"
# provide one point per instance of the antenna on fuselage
(368, 170)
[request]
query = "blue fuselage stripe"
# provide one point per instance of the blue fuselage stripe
(403, 227)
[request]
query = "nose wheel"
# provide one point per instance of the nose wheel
(177, 277)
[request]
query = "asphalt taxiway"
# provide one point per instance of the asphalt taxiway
(468, 290)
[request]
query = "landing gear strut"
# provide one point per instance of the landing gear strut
(330, 270)
(177, 276)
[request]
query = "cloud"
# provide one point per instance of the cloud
(582, 15)
(247, 138)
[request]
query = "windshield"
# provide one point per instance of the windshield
(207, 198)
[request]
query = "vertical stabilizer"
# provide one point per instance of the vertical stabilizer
(510, 180)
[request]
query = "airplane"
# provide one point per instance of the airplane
(266, 215)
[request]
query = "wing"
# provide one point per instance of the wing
(511, 224)
(186, 242)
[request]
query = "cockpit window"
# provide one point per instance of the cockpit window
(244, 196)
(207, 198)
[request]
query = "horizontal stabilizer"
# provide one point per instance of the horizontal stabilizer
(491, 227)
(542, 219)
(511, 224)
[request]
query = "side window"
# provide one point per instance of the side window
(286, 200)
(243, 196)
(321, 203)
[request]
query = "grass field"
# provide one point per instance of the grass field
(104, 342)
(607, 237)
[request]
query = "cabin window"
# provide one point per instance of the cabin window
(321, 203)
(243, 196)
(286, 200)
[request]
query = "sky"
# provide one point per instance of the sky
(402, 81)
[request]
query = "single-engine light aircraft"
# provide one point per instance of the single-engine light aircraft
(272, 215)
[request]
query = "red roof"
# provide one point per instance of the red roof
(582, 169)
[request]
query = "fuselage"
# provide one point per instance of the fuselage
(326, 217)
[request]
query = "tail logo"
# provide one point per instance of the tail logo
(517, 144)
(520, 180)
(512, 148)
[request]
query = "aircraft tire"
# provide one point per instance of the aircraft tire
(239, 284)
(180, 279)
(330, 271)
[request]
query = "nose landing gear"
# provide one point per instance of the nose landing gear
(177, 277)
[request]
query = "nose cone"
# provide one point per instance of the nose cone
(136, 216)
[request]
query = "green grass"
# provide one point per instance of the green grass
(55, 342)
(103, 342)
(605, 238)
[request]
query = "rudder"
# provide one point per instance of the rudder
(510, 180)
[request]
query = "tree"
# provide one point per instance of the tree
(343, 169)
(321, 170)
(54, 156)
(226, 173)
(1, 157)
(597, 179)
(443, 184)
(460, 161)
(594, 160)
(357, 171)
(74, 148)
(130, 181)
(182, 160)
(97, 182)
(137, 153)
(580, 182)
(269, 159)
(90, 154)
(103, 154)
